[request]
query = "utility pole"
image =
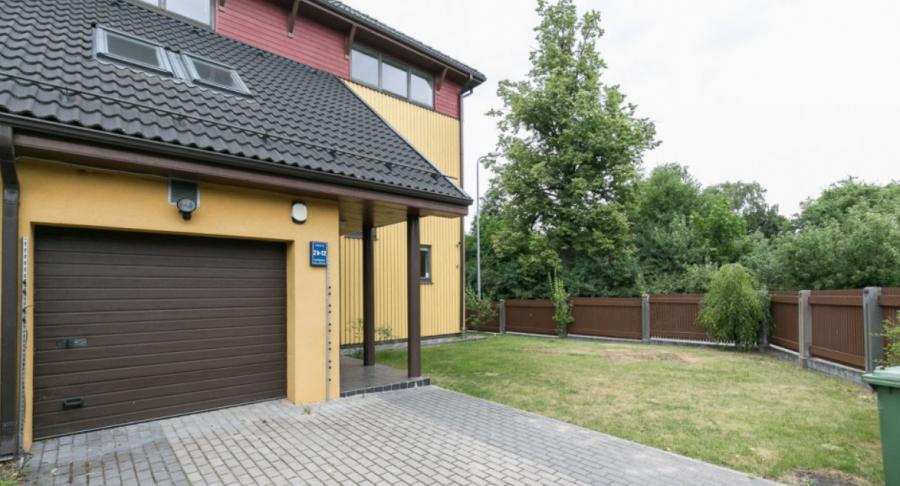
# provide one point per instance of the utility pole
(478, 224)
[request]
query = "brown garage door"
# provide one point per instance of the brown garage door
(134, 326)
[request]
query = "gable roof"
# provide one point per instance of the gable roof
(296, 117)
(395, 34)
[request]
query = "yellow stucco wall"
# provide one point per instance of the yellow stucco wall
(436, 136)
(57, 194)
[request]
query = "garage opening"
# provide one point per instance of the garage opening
(132, 327)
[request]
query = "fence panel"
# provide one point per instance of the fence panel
(890, 304)
(493, 325)
(838, 332)
(675, 317)
(607, 317)
(785, 319)
(531, 316)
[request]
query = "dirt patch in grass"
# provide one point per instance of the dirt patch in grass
(823, 478)
(631, 356)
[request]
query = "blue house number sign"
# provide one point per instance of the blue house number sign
(318, 254)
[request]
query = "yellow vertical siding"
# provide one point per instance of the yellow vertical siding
(436, 136)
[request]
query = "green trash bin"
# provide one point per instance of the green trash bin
(886, 382)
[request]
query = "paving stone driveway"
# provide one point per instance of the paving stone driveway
(417, 436)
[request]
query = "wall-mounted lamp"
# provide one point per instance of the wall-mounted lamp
(185, 196)
(186, 207)
(299, 212)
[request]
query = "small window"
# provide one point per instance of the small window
(393, 79)
(196, 10)
(364, 68)
(425, 263)
(420, 90)
(216, 75)
(132, 50)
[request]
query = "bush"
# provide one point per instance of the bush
(562, 314)
(479, 311)
(891, 337)
(734, 309)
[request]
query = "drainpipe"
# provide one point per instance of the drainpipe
(9, 312)
(464, 93)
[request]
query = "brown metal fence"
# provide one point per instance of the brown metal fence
(675, 317)
(890, 304)
(838, 329)
(785, 316)
(531, 316)
(838, 322)
(607, 317)
(492, 325)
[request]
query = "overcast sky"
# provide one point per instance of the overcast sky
(792, 94)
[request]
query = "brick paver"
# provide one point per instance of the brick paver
(417, 436)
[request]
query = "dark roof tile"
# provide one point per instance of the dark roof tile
(297, 115)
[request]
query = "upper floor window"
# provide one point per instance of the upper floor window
(132, 50)
(372, 68)
(213, 74)
(196, 10)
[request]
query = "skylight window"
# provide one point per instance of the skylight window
(213, 74)
(132, 50)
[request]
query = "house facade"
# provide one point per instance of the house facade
(204, 199)
(415, 90)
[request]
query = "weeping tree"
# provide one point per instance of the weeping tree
(566, 162)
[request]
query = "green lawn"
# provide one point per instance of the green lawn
(745, 411)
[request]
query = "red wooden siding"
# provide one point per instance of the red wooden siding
(263, 24)
(446, 100)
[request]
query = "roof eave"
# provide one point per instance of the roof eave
(62, 130)
(475, 77)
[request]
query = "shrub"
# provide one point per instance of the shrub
(734, 309)
(479, 311)
(562, 314)
(891, 337)
(384, 333)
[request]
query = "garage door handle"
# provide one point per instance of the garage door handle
(72, 343)
(72, 403)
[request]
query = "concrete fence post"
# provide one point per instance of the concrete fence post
(872, 327)
(502, 316)
(645, 318)
(805, 330)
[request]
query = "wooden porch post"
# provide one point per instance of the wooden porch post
(368, 260)
(413, 307)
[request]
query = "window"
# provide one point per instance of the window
(420, 89)
(131, 50)
(372, 68)
(213, 74)
(196, 10)
(364, 68)
(425, 263)
(393, 79)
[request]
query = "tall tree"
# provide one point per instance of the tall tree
(566, 160)
(748, 199)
